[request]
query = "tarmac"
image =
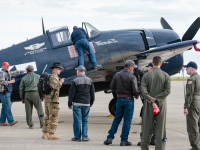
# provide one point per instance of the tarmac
(19, 136)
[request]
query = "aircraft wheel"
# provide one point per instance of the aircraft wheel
(112, 106)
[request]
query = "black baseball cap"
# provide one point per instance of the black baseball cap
(81, 68)
(191, 64)
(149, 65)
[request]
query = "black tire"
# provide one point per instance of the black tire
(112, 106)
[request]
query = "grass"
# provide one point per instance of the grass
(179, 78)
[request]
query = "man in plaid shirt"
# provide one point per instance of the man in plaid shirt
(5, 94)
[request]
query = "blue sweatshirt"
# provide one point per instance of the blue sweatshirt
(78, 34)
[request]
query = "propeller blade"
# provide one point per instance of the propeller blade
(191, 32)
(164, 24)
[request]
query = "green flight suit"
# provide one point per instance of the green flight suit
(29, 91)
(192, 103)
(52, 105)
(155, 83)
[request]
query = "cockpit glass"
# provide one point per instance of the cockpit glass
(92, 31)
(60, 37)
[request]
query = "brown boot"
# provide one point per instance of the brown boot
(4, 124)
(53, 137)
(45, 135)
(13, 123)
(97, 66)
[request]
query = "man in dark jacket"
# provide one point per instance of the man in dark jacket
(125, 84)
(79, 38)
(30, 96)
(81, 96)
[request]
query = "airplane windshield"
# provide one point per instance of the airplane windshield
(92, 31)
(60, 37)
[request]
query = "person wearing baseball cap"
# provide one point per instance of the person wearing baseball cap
(192, 105)
(29, 94)
(124, 83)
(149, 66)
(6, 88)
(81, 97)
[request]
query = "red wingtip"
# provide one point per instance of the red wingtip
(196, 48)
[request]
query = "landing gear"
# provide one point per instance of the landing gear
(112, 104)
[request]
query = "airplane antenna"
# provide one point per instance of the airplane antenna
(44, 68)
(43, 26)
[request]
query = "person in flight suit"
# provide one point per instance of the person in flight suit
(30, 96)
(79, 38)
(153, 138)
(155, 88)
(52, 104)
(125, 84)
(192, 105)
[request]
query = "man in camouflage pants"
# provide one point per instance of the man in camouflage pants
(52, 104)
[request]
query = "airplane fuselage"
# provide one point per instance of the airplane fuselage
(111, 49)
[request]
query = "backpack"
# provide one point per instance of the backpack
(43, 84)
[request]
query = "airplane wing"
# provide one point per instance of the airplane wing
(165, 52)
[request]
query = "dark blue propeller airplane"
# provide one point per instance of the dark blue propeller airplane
(112, 49)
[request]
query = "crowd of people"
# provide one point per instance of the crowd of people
(155, 87)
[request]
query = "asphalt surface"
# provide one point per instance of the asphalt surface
(20, 137)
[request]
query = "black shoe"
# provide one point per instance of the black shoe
(127, 143)
(108, 141)
(153, 142)
(139, 144)
(86, 139)
(74, 139)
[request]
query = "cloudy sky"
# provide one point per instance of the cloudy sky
(21, 19)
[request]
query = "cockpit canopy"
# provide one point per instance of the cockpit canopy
(61, 36)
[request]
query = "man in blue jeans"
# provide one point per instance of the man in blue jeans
(79, 38)
(5, 94)
(81, 96)
(125, 85)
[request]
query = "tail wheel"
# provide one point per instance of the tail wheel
(112, 106)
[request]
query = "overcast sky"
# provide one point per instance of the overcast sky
(21, 19)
